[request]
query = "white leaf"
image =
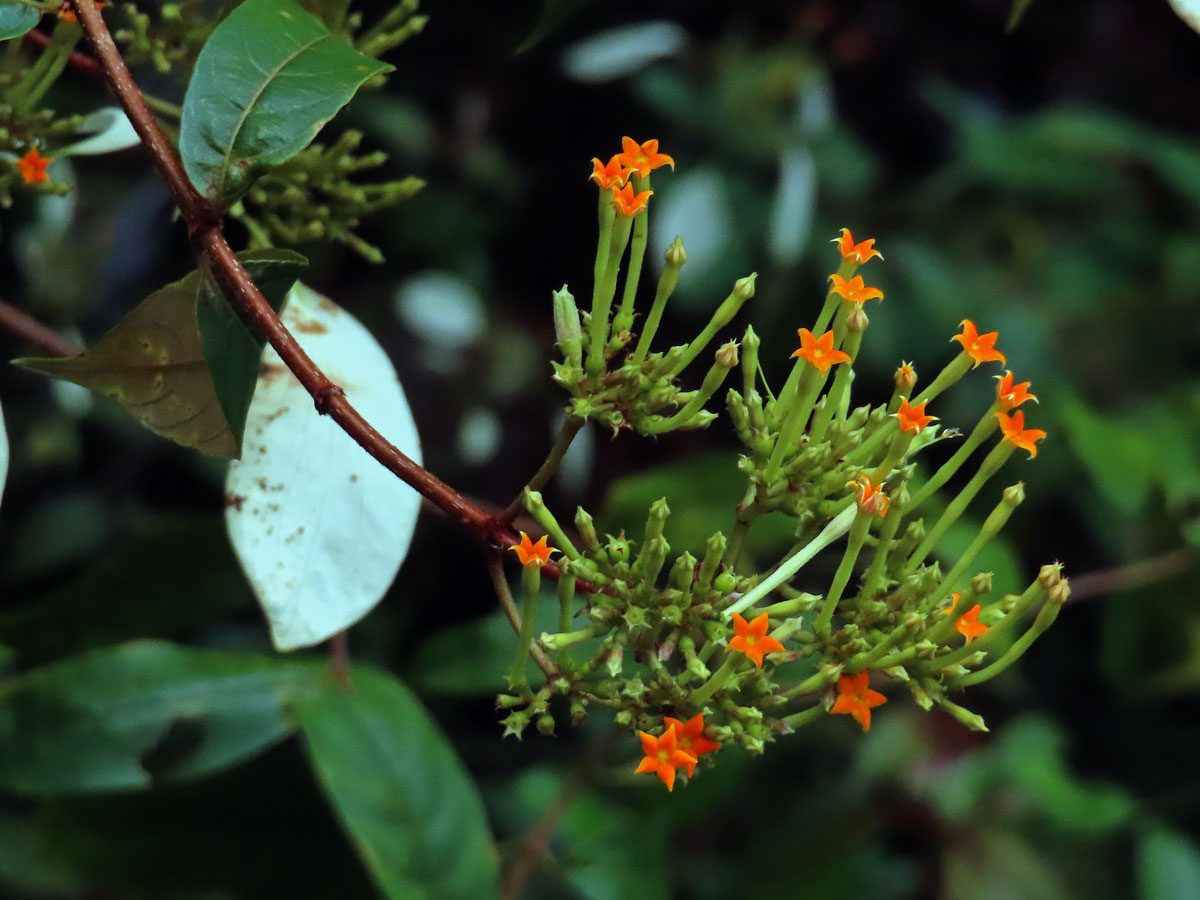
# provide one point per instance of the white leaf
(622, 51)
(320, 527)
(1189, 11)
(110, 130)
(3, 454)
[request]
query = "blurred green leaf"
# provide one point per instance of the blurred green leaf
(28, 866)
(702, 491)
(186, 559)
(268, 79)
(399, 790)
(233, 349)
(16, 19)
(554, 13)
(473, 657)
(999, 865)
(592, 849)
(1168, 866)
(1031, 753)
(98, 721)
(1016, 13)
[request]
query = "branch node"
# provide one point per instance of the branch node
(325, 398)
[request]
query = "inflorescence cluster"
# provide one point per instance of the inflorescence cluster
(693, 653)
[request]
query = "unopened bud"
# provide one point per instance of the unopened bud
(1014, 495)
(725, 582)
(545, 725)
(727, 355)
(1049, 575)
(624, 718)
(566, 317)
(579, 713)
(1060, 592)
(616, 657)
(906, 378)
(965, 716)
(676, 255)
(857, 320)
(982, 584)
(672, 614)
(743, 288)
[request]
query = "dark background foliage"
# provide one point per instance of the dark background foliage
(1045, 183)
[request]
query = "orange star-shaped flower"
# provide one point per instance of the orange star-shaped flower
(612, 175)
(1010, 396)
(855, 698)
(626, 203)
(871, 498)
(689, 737)
(32, 167)
(856, 253)
(643, 158)
(1013, 428)
(67, 13)
(819, 350)
(663, 756)
(531, 554)
(980, 347)
(968, 624)
(854, 290)
(751, 638)
(912, 418)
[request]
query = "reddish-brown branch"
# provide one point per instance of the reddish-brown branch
(29, 328)
(1133, 575)
(81, 62)
(204, 226)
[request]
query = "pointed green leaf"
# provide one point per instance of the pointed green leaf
(400, 790)
(108, 719)
(155, 361)
(233, 349)
(267, 80)
(16, 19)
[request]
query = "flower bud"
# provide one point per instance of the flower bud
(965, 716)
(615, 658)
(682, 572)
(727, 355)
(672, 614)
(566, 317)
(545, 725)
(676, 255)
(982, 584)
(579, 713)
(1014, 495)
(1059, 593)
(906, 378)
(1049, 575)
(857, 320)
(743, 288)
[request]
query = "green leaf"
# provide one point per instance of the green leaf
(400, 790)
(1168, 867)
(267, 80)
(231, 348)
(554, 13)
(16, 19)
(124, 716)
(155, 362)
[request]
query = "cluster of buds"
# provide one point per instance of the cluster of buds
(744, 657)
(610, 379)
